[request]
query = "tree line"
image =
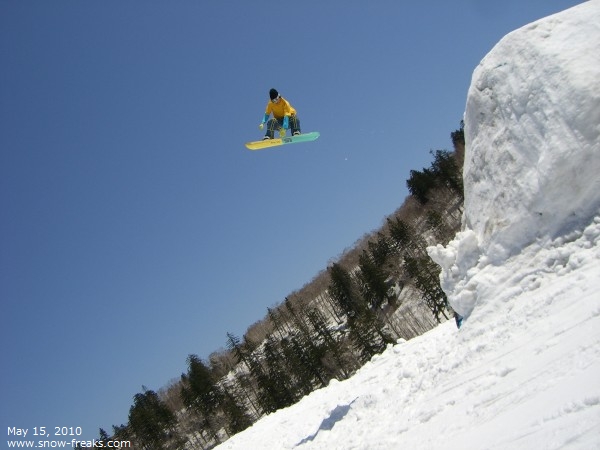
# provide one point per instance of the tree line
(365, 301)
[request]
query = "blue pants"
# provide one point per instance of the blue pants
(276, 124)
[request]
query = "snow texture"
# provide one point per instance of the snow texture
(532, 132)
(523, 372)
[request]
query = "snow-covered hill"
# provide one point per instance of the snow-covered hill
(524, 370)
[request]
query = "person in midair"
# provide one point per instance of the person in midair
(284, 116)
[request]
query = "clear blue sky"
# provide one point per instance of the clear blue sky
(135, 226)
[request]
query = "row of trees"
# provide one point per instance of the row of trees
(310, 339)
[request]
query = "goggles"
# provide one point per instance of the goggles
(276, 99)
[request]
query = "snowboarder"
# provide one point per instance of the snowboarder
(458, 319)
(284, 116)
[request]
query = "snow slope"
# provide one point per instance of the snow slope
(524, 370)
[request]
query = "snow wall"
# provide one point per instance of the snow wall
(532, 132)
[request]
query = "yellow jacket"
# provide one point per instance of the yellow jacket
(280, 109)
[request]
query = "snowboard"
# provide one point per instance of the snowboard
(305, 137)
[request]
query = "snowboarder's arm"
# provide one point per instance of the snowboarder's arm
(265, 118)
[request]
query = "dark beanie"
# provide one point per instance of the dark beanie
(273, 94)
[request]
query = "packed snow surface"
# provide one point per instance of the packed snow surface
(524, 370)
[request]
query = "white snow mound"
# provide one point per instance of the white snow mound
(532, 132)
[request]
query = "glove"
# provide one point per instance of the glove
(262, 125)
(282, 132)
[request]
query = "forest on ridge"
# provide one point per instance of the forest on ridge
(384, 289)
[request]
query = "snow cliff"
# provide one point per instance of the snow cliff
(532, 132)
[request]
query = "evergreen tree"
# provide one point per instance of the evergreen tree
(443, 172)
(277, 322)
(381, 249)
(151, 421)
(245, 386)
(199, 390)
(458, 136)
(298, 316)
(426, 275)
(366, 331)
(372, 281)
(405, 239)
(239, 350)
(420, 183)
(304, 357)
(332, 349)
(367, 334)
(245, 356)
(103, 438)
(275, 384)
(447, 172)
(344, 291)
(235, 415)
(436, 223)
(302, 352)
(122, 433)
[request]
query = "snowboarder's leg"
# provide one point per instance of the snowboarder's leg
(272, 125)
(295, 125)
